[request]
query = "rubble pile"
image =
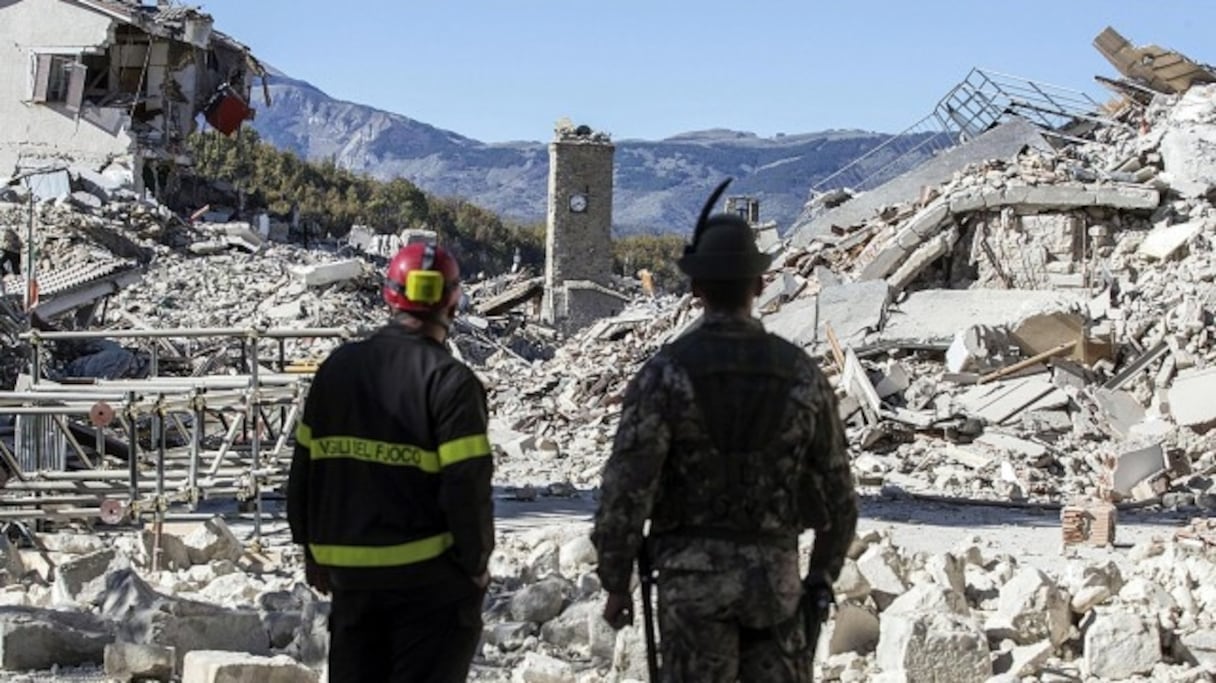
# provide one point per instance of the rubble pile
(1034, 329)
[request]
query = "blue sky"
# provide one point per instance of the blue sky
(499, 70)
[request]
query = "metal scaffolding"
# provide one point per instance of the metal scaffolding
(155, 446)
(983, 100)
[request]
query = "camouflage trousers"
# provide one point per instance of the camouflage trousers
(734, 625)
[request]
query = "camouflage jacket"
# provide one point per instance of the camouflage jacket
(728, 428)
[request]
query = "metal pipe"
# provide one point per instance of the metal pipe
(255, 413)
(132, 452)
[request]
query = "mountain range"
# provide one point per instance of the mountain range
(659, 185)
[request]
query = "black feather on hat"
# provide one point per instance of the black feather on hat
(723, 246)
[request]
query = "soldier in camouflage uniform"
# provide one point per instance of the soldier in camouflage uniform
(730, 444)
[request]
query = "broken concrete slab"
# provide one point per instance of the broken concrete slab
(215, 666)
(936, 315)
(1165, 241)
(1012, 444)
(319, 275)
(1000, 402)
(1121, 409)
(541, 668)
(1002, 142)
(796, 322)
(82, 580)
(35, 639)
(1190, 398)
(852, 309)
(920, 259)
(1190, 162)
(1135, 466)
(139, 662)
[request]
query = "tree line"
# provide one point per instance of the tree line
(332, 199)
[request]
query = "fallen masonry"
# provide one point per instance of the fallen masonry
(1020, 339)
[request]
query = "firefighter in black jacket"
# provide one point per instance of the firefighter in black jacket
(389, 489)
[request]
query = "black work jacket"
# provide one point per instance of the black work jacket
(390, 480)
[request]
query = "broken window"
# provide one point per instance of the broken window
(59, 79)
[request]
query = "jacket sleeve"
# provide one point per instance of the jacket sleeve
(829, 455)
(467, 467)
(631, 476)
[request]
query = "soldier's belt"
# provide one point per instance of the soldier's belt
(782, 540)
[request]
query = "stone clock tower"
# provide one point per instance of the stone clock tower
(578, 240)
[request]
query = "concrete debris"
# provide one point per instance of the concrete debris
(1022, 325)
(1119, 645)
(215, 666)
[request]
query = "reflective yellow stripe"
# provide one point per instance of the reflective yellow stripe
(380, 452)
(381, 556)
(304, 435)
(463, 449)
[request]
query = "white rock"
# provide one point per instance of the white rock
(850, 584)
(539, 602)
(882, 569)
(1198, 648)
(947, 570)
(215, 666)
(1120, 645)
(929, 598)
(82, 581)
(853, 628)
(577, 555)
(1035, 607)
(940, 647)
(1089, 597)
(544, 560)
(540, 668)
(213, 540)
(134, 661)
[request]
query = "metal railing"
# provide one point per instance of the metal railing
(158, 444)
(981, 101)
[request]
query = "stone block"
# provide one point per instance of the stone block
(34, 639)
(572, 628)
(509, 635)
(321, 274)
(214, 666)
(928, 597)
(541, 601)
(851, 584)
(83, 580)
(1120, 645)
(1134, 466)
(232, 630)
(882, 569)
(577, 555)
(853, 629)
(1035, 608)
(139, 662)
(1198, 648)
(1190, 398)
(1165, 241)
(540, 668)
(213, 540)
(1189, 158)
(931, 646)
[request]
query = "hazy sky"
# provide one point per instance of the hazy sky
(499, 70)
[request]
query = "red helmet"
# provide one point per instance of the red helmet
(422, 277)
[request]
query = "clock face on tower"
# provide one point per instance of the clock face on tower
(578, 202)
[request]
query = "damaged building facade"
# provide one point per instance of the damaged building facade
(88, 82)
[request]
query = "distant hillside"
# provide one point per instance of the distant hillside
(659, 184)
